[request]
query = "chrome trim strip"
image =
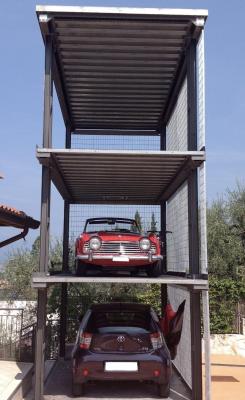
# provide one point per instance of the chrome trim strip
(103, 257)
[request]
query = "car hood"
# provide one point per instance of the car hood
(116, 236)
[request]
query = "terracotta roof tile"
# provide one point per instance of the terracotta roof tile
(11, 210)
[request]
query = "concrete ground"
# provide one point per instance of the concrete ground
(13, 378)
(58, 387)
(228, 377)
(228, 382)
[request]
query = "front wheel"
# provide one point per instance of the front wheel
(80, 268)
(155, 269)
(164, 390)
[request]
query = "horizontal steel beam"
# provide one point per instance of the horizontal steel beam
(42, 279)
(106, 132)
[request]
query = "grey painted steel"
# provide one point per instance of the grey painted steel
(41, 280)
(164, 287)
(47, 142)
(63, 319)
(65, 264)
(124, 79)
(45, 221)
(196, 345)
(106, 12)
(118, 177)
(65, 258)
(194, 257)
(206, 338)
(108, 59)
(40, 343)
(192, 94)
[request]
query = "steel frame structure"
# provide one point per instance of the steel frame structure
(195, 283)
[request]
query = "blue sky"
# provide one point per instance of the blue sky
(22, 59)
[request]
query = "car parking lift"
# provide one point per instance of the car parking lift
(128, 71)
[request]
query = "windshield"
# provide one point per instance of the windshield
(111, 225)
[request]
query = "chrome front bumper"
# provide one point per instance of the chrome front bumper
(90, 257)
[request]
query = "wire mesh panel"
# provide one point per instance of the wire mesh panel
(115, 142)
(177, 205)
(183, 359)
(176, 130)
(79, 213)
(178, 236)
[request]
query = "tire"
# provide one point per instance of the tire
(80, 268)
(163, 390)
(155, 270)
(78, 389)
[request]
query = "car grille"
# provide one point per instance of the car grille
(114, 247)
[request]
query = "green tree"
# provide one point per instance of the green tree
(17, 275)
(138, 220)
(21, 264)
(236, 207)
(224, 296)
(226, 253)
(224, 247)
(153, 223)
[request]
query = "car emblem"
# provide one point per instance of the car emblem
(121, 339)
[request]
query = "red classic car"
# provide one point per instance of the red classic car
(109, 243)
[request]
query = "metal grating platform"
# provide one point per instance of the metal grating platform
(118, 177)
(114, 68)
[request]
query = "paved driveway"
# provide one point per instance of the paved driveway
(228, 377)
(58, 387)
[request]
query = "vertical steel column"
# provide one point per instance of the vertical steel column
(195, 301)
(164, 287)
(65, 263)
(45, 221)
(40, 343)
(206, 337)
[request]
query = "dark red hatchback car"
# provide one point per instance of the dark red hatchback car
(121, 341)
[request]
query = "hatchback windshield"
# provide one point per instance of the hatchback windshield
(111, 225)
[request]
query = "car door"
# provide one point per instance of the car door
(171, 326)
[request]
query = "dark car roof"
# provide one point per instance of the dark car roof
(120, 306)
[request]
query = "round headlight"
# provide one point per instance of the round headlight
(145, 244)
(95, 243)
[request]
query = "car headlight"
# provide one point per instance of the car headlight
(145, 244)
(95, 243)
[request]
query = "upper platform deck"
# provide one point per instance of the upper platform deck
(115, 68)
(118, 176)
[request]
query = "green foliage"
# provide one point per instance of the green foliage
(138, 220)
(18, 271)
(226, 254)
(224, 296)
(236, 206)
(20, 266)
(224, 248)
(226, 234)
(153, 223)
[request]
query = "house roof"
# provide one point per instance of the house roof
(10, 216)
